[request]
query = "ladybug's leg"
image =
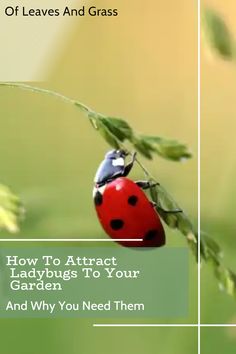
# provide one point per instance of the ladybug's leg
(129, 166)
(146, 184)
(174, 211)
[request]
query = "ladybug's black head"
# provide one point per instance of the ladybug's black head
(111, 167)
(116, 154)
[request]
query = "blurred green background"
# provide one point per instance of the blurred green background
(218, 172)
(218, 340)
(141, 66)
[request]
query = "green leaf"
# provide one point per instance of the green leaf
(115, 130)
(232, 287)
(176, 219)
(226, 278)
(169, 149)
(118, 127)
(93, 122)
(153, 192)
(210, 248)
(10, 210)
(217, 35)
(172, 214)
(142, 146)
(107, 135)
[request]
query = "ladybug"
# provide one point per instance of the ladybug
(122, 207)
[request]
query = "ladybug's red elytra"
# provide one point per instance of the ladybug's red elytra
(122, 207)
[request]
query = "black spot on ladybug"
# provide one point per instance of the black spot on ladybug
(98, 199)
(132, 200)
(150, 235)
(116, 224)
